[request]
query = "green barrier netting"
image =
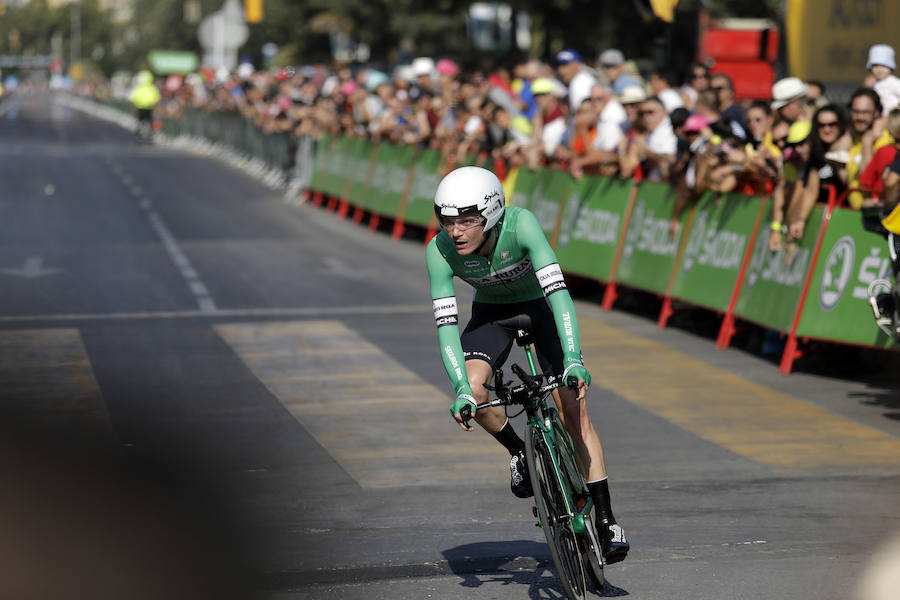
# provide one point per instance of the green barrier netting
(716, 244)
(592, 221)
(233, 130)
(837, 306)
(774, 280)
(428, 174)
(320, 168)
(648, 254)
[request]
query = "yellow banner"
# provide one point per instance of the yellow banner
(829, 40)
(253, 11)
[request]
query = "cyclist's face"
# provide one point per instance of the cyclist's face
(467, 233)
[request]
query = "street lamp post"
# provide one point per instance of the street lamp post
(75, 33)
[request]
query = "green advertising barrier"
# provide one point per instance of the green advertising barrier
(591, 224)
(547, 199)
(389, 179)
(356, 164)
(526, 181)
(837, 306)
(775, 280)
(379, 179)
(428, 173)
(648, 254)
(717, 241)
(398, 173)
(338, 167)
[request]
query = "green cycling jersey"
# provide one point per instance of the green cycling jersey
(521, 267)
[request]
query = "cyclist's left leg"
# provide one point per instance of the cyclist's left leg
(588, 449)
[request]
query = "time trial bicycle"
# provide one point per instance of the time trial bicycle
(563, 505)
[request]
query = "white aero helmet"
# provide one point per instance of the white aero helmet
(470, 190)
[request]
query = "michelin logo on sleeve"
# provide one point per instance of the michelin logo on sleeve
(551, 279)
(445, 311)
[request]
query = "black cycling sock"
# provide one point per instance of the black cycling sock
(600, 493)
(510, 439)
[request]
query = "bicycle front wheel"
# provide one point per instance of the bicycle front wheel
(549, 497)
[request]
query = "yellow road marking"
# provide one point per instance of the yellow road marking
(385, 425)
(46, 380)
(759, 423)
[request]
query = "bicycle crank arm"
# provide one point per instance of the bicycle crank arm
(595, 543)
(578, 519)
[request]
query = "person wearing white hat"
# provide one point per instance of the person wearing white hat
(423, 71)
(881, 65)
(630, 99)
(788, 95)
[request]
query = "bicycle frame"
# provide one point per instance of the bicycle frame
(538, 418)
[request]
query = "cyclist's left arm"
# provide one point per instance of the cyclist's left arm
(531, 237)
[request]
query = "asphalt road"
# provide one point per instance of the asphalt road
(206, 392)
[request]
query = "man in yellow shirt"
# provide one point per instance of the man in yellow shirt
(869, 134)
(144, 97)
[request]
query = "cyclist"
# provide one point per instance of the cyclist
(144, 97)
(503, 253)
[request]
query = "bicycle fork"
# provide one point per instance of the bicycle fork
(583, 504)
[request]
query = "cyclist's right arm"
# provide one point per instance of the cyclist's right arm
(446, 317)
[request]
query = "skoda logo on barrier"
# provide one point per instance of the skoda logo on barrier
(695, 242)
(633, 235)
(837, 271)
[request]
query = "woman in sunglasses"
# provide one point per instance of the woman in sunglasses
(826, 167)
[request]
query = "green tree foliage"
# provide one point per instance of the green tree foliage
(392, 29)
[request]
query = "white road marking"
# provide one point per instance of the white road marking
(31, 269)
(197, 287)
(200, 291)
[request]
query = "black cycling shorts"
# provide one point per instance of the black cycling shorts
(484, 340)
(145, 114)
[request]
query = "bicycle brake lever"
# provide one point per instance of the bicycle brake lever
(521, 374)
(499, 384)
(466, 414)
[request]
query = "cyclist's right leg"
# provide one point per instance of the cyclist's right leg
(480, 373)
(486, 346)
(494, 421)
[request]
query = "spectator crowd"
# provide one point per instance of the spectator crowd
(691, 131)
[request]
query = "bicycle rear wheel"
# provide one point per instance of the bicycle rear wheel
(552, 512)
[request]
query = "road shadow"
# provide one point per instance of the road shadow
(889, 399)
(518, 562)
